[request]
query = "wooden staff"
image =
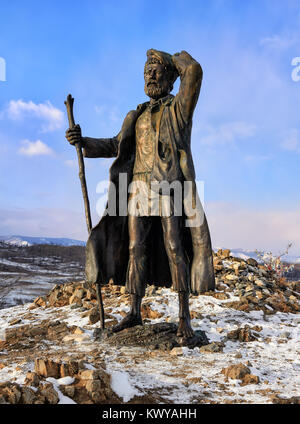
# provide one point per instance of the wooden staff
(69, 105)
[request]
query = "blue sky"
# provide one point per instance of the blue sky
(246, 135)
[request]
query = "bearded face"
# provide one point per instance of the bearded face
(157, 83)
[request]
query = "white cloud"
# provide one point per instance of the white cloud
(292, 141)
(234, 226)
(227, 133)
(51, 117)
(277, 42)
(34, 148)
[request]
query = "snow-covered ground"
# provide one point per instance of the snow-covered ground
(22, 282)
(183, 376)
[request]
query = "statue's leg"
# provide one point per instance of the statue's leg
(184, 328)
(133, 318)
(179, 267)
(139, 229)
(202, 270)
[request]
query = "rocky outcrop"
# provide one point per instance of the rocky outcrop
(85, 386)
(256, 287)
(240, 372)
(160, 336)
(245, 334)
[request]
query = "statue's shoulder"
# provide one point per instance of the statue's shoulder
(141, 107)
(131, 117)
(132, 114)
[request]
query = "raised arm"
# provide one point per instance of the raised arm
(190, 73)
(93, 147)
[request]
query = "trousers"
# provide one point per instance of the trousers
(137, 271)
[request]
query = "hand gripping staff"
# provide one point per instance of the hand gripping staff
(69, 105)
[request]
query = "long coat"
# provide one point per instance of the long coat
(107, 251)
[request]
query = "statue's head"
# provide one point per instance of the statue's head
(159, 73)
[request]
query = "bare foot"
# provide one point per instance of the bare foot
(185, 329)
(127, 322)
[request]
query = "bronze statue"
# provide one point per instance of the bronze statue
(153, 146)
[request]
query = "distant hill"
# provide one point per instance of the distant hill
(29, 241)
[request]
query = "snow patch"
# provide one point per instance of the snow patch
(122, 387)
(64, 400)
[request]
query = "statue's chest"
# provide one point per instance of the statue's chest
(145, 134)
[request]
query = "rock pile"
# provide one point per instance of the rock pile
(256, 287)
(78, 294)
(244, 334)
(83, 297)
(28, 335)
(71, 379)
(240, 372)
